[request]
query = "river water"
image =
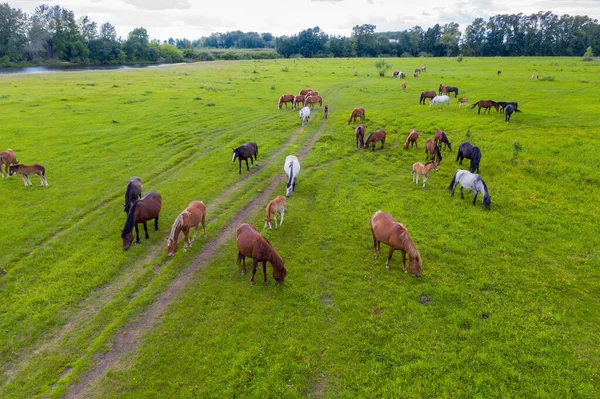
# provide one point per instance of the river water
(73, 68)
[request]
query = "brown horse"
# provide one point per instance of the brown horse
(398, 74)
(415, 75)
(360, 135)
(7, 158)
(286, 98)
(432, 151)
(427, 94)
(403, 85)
(499, 71)
(378, 135)
(442, 90)
(298, 99)
(442, 139)
(487, 105)
(133, 192)
(385, 229)
(326, 112)
(141, 211)
(411, 139)
(418, 71)
(274, 206)
(303, 92)
(26, 170)
(419, 169)
(463, 100)
(312, 99)
(357, 113)
(191, 217)
(252, 244)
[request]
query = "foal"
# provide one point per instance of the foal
(27, 170)
(191, 217)
(274, 206)
(419, 169)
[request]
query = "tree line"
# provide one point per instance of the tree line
(53, 33)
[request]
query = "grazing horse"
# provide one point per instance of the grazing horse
(313, 99)
(286, 98)
(442, 139)
(191, 217)
(7, 158)
(298, 100)
(403, 85)
(415, 75)
(439, 100)
(133, 192)
(499, 72)
(252, 244)
(291, 167)
(426, 94)
(417, 71)
(303, 92)
(26, 170)
(360, 135)
(432, 151)
(469, 151)
(463, 100)
(326, 112)
(304, 115)
(398, 74)
(486, 104)
(274, 206)
(141, 211)
(357, 113)
(452, 89)
(509, 111)
(472, 182)
(385, 229)
(411, 139)
(503, 105)
(245, 152)
(378, 135)
(419, 169)
(423, 69)
(442, 90)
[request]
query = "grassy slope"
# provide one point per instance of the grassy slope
(341, 325)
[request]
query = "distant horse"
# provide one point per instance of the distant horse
(503, 105)
(274, 206)
(439, 100)
(442, 139)
(378, 135)
(286, 98)
(132, 192)
(423, 69)
(7, 158)
(191, 217)
(326, 112)
(415, 75)
(411, 139)
(509, 111)
(403, 85)
(417, 71)
(298, 100)
(303, 92)
(245, 152)
(291, 167)
(26, 170)
(304, 115)
(427, 94)
(432, 151)
(357, 113)
(360, 135)
(442, 90)
(463, 100)
(486, 104)
(499, 72)
(419, 169)
(385, 229)
(312, 100)
(472, 182)
(141, 211)
(252, 244)
(398, 74)
(469, 151)
(452, 89)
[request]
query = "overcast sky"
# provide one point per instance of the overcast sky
(193, 19)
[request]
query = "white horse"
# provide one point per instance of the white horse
(291, 168)
(473, 182)
(439, 100)
(304, 115)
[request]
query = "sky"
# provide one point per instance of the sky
(193, 19)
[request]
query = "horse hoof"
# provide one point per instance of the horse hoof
(243, 272)
(251, 282)
(387, 267)
(184, 249)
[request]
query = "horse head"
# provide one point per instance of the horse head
(279, 271)
(235, 155)
(415, 265)
(487, 201)
(127, 239)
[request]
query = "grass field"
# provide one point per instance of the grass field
(513, 292)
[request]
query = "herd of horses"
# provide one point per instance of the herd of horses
(10, 166)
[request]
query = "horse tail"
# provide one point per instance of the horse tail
(422, 96)
(453, 182)
(437, 150)
(240, 257)
(474, 105)
(43, 170)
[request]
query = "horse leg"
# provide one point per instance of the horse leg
(44, 181)
(195, 232)
(387, 264)
(186, 240)
(146, 231)
(247, 167)
(137, 234)
(155, 224)
(424, 180)
(265, 270)
(461, 193)
(243, 258)
(282, 212)
(24, 180)
(475, 197)
(240, 171)
(254, 265)
(375, 242)
(382, 142)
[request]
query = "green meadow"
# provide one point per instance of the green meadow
(508, 303)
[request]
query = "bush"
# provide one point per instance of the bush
(589, 54)
(459, 58)
(548, 78)
(382, 67)
(406, 54)
(425, 54)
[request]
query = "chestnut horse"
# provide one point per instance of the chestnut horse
(378, 135)
(357, 113)
(463, 100)
(141, 211)
(26, 170)
(360, 136)
(245, 152)
(132, 192)
(427, 94)
(191, 217)
(313, 99)
(486, 104)
(298, 100)
(385, 229)
(432, 151)
(274, 206)
(418, 71)
(411, 139)
(7, 158)
(415, 75)
(286, 98)
(303, 92)
(419, 169)
(403, 85)
(252, 244)
(442, 139)
(499, 71)
(442, 90)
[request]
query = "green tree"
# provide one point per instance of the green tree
(137, 45)
(364, 41)
(13, 34)
(450, 38)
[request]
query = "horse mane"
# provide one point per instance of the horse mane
(369, 138)
(291, 165)
(437, 149)
(130, 216)
(487, 193)
(178, 222)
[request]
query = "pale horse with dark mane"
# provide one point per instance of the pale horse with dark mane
(291, 168)
(473, 182)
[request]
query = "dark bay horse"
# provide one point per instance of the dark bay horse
(360, 136)
(252, 244)
(509, 111)
(141, 211)
(245, 152)
(432, 151)
(133, 192)
(486, 104)
(469, 151)
(378, 135)
(442, 139)
(503, 105)
(427, 94)
(27, 170)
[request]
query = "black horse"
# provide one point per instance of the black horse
(503, 105)
(451, 89)
(469, 151)
(245, 152)
(509, 111)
